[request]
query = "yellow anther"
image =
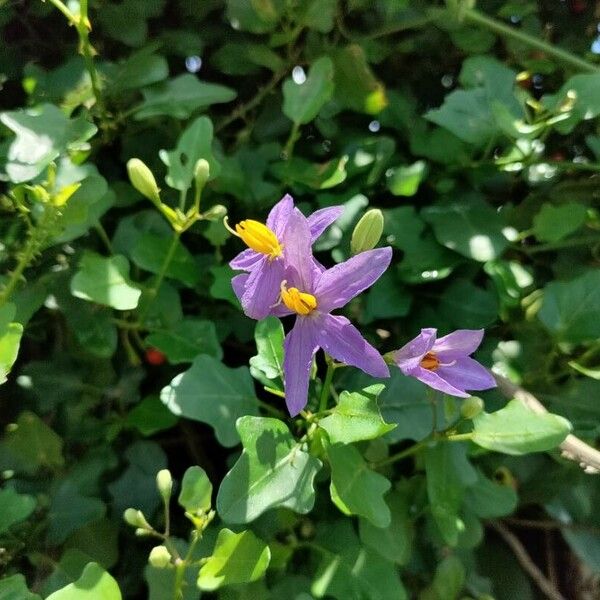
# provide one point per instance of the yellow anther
(300, 302)
(257, 236)
(430, 361)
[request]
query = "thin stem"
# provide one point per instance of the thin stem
(83, 29)
(404, 453)
(153, 292)
(181, 566)
(513, 542)
(326, 386)
(103, 236)
(474, 16)
(288, 149)
(459, 437)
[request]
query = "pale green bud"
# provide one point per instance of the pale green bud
(142, 179)
(201, 173)
(159, 557)
(367, 232)
(136, 518)
(164, 483)
(471, 407)
(215, 213)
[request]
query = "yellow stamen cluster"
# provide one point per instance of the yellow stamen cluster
(259, 237)
(300, 302)
(430, 361)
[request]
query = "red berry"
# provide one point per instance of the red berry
(577, 6)
(155, 357)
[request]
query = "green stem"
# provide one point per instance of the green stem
(153, 291)
(37, 237)
(404, 453)
(475, 17)
(88, 52)
(459, 437)
(181, 566)
(288, 149)
(569, 243)
(326, 385)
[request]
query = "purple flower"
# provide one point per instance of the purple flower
(312, 293)
(444, 364)
(266, 257)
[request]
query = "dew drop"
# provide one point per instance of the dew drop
(193, 64)
(374, 126)
(298, 75)
(447, 81)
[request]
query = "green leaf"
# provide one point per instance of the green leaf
(448, 473)
(69, 511)
(314, 175)
(10, 340)
(196, 491)
(516, 429)
(356, 87)
(465, 305)
(388, 298)
(268, 363)
(186, 340)
(212, 393)
(405, 180)
(273, 471)
(571, 309)
(257, 16)
(42, 133)
(105, 281)
(194, 143)
(471, 227)
(138, 70)
(180, 97)
(356, 417)
(553, 223)
(14, 508)
(151, 416)
(349, 571)
(237, 558)
(488, 499)
(318, 14)
(303, 101)
(149, 254)
(30, 444)
(15, 588)
(98, 541)
(395, 541)
(449, 578)
(94, 584)
(355, 489)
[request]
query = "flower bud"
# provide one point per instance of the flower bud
(164, 483)
(159, 557)
(471, 407)
(201, 173)
(142, 179)
(136, 518)
(367, 232)
(215, 213)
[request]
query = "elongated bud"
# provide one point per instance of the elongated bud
(164, 483)
(215, 213)
(142, 179)
(471, 407)
(367, 232)
(201, 173)
(136, 518)
(159, 557)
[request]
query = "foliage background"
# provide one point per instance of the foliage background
(484, 165)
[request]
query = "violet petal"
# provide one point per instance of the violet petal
(262, 289)
(433, 380)
(321, 219)
(338, 285)
(411, 354)
(300, 347)
(467, 374)
(279, 215)
(341, 340)
(460, 342)
(246, 260)
(297, 251)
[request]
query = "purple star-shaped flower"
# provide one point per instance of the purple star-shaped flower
(312, 293)
(267, 257)
(444, 364)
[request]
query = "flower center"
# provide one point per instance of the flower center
(430, 361)
(299, 302)
(259, 237)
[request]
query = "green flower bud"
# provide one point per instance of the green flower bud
(164, 483)
(367, 232)
(136, 518)
(159, 557)
(215, 213)
(201, 173)
(471, 407)
(142, 180)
